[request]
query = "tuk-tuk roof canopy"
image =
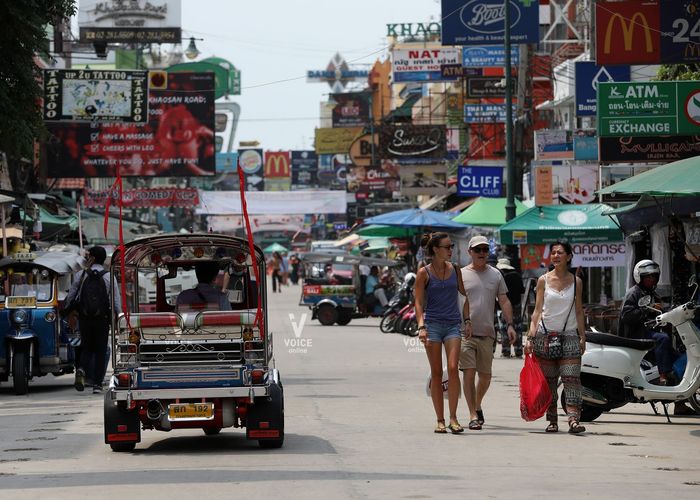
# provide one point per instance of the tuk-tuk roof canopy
(345, 258)
(58, 262)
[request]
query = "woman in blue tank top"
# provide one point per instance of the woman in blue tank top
(440, 322)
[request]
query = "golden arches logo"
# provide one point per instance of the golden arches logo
(692, 50)
(628, 31)
(276, 166)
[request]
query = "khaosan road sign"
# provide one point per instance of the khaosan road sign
(648, 108)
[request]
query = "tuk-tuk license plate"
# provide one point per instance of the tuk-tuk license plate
(20, 302)
(186, 411)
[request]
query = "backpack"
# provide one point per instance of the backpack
(94, 300)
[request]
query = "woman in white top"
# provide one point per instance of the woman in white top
(559, 308)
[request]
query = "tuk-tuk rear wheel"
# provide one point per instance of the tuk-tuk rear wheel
(344, 315)
(20, 373)
(327, 314)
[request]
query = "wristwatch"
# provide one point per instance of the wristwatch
(422, 327)
(467, 320)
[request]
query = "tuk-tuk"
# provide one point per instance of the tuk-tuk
(34, 339)
(193, 366)
(333, 286)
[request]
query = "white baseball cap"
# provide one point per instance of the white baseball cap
(478, 240)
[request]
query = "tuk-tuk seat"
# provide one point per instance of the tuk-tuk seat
(153, 325)
(223, 324)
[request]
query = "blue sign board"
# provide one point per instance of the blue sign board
(226, 162)
(587, 75)
(480, 181)
(482, 22)
(585, 145)
(487, 56)
(485, 113)
(680, 32)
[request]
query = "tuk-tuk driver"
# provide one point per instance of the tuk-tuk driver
(205, 296)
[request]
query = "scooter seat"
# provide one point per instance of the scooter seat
(615, 341)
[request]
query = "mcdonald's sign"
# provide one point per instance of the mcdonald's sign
(628, 32)
(277, 164)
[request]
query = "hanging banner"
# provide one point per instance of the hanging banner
(275, 203)
(143, 198)
(482, 22)
(178, 139)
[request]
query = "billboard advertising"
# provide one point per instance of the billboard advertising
(335, 140)
(332, 171)
(382, 182)
(84, 95)
(226, 163)
(135, 21)
(250, 161)
(143, 198)
(351, 110)
(648, 149)
(573, 184)
(488, 56)
(178, 139)
(482, 22)
(304, 170)
(423, 179)
(413, 142)
(649, 32)
(648, 109)
(480, 181)
(485, 113)
(422, 64)
(587, 76)
(554, 145)
(278, 171)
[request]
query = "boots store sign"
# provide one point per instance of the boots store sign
(482, 22)
(413, 142)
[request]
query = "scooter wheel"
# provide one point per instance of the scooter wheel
(388, 322)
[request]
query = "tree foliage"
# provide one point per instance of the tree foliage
(22, 38)
(679, 72)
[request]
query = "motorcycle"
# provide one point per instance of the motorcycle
(398, 302)
(612, 372)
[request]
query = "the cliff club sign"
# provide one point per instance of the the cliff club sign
(337, 74)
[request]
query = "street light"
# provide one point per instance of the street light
(191, 52)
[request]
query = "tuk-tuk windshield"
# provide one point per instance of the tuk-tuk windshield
(27, 282)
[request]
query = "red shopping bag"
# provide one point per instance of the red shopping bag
(535, 395)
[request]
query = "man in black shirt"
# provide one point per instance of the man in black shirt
(514, 282)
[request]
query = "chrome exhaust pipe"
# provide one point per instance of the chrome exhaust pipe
(593, 397)
(154, 409)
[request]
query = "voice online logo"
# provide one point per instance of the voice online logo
(298, 344)
(413, 344)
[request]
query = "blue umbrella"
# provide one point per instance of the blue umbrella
(416, 217)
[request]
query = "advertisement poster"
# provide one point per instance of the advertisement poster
(143, 198)
(482, 22)
(534, 256)
(382, 181)
(351, 110)
(335, 140)
(480, 181)
(277, 171)
(178, 139)
(585, 145)
(648, 149)
(588, 76)
(304, 170)
(422, 64)
(413, 142)
(423, 179)
(332, 171)
(566, 184)
(251, 162)
(226, 163)
(554, 145)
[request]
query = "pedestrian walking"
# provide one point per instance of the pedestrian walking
(557, 335)
(483, 285)
(275, 264)
(440, 323)
(91, 296)
(514, 282)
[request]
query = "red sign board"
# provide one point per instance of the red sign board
(628, 32)
(143, 198)
(277, 165)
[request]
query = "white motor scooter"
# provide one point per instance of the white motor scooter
(611, 374)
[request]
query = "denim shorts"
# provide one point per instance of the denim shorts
(442, 332)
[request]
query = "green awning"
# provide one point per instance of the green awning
(572, 223)
(681, 177)
(275, 247)
(406, 109)
(227, 78)
(47, 218)
(488, 212)
(387, 231)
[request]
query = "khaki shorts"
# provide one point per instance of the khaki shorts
(476, 352)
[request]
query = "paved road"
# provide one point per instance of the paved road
(359, 425)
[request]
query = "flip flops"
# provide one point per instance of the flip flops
(440, 428)
(480, 416)
(552, 427)
(474, 425)
(455, 428)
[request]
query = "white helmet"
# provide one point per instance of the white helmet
(643, 268)
(409, 279)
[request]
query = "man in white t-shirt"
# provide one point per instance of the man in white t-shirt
(483, 284)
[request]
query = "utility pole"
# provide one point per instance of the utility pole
(510, 167)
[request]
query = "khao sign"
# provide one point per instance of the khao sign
(648, 109)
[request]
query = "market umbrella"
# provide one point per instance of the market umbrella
(572, 223)
(416, 218)
(275, 247)
(387, 231)
(649, 210)
(678, 178)
(487, 212)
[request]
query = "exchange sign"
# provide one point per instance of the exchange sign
(648, 109)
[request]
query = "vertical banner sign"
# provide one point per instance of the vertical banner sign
(304, 170)
(628, 32)
(277, 171)
(588, 75)
(482, 22)
(680, 26)
(480, 181)
(543, 186)
(250, 161)
(84, 95)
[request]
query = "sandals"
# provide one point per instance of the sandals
(455, 428)
(480, 416)
(575, 427)
(474, 425)
(552, 427)
(440, 428)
